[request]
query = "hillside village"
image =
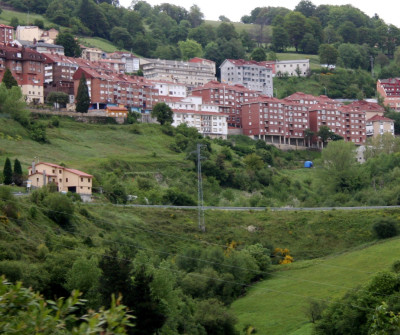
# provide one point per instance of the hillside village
(248, 214)
(241, 101)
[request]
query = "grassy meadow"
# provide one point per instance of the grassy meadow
(278, 306)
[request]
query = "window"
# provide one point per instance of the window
(66, 180)
(82, 179)
(59, 171)
(60, 180)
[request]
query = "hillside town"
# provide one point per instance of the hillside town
(242, 101)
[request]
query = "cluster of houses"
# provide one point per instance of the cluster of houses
(241, 102)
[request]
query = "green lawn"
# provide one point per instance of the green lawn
(90, 147)
(97, 42)
(278, 305)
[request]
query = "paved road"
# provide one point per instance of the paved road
(277, 209)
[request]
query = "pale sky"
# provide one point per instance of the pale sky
(388, 10)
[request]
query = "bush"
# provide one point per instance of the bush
(59, 208)
(385, 228)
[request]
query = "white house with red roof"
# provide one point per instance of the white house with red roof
(66, 179)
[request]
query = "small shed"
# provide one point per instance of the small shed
(308, 164)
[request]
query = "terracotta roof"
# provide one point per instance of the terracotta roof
(379, 118)
(74, 171)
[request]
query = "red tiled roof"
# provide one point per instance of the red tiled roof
(74, 171)
(379, 118)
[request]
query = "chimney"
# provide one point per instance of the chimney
(44, 177)
(33, 167)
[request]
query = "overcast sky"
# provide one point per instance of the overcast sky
(388, 10)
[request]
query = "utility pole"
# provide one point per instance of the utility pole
(200, 204)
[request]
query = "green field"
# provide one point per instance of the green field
(278, 305)
(23, 18)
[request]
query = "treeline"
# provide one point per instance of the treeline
(171, 32)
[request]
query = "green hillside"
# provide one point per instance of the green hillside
(279, 305)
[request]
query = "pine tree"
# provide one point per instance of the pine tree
(8, 79)
(82, 97)
(17, 176)
(7, 172)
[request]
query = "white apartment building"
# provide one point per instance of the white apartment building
(253, 75)
(206, 118)
(193, 73)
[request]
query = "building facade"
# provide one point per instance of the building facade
(379, 125)
(253, 75)
(27, 67)
(6, 34)
(66, 180)
(389, 90)
(193, 73)
(229, 98)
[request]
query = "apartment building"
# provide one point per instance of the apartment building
(58, 73)
(379, 125)
(107, 87)
(131, 62)
(275, 121)
(253, 75)
(193, 73)
(229, 98)
(389, 90)
(205, 118)
(6, 34)
(27, 67)
(92, 54)
(170, 89)
(345, 121)
(370, 108)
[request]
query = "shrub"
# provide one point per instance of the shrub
(385, 228)
(59, 208)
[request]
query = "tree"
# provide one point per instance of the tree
(324, 134)
(280, 39)
(17, 175)
(70, 44)
(294, 24)
(258, 55)
(163, 113)
(59, 208)
(8, 79)
(57, 98)
(14, 22)
(121, 37)
(82, 96)
(340, 171)
(190, 49)
(305, 7)
(195, 16)
(328, 54)
(7, 172)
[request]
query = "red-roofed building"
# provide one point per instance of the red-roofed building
(275, 121)
(251, 74)
(66, 180)
(206, 118)
(370, 108)
(105, 87)
(229, 98)
(6, 34)
(378, 125)
(27, 67)
(389, 90)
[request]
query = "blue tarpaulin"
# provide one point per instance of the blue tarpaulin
(308, 164)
